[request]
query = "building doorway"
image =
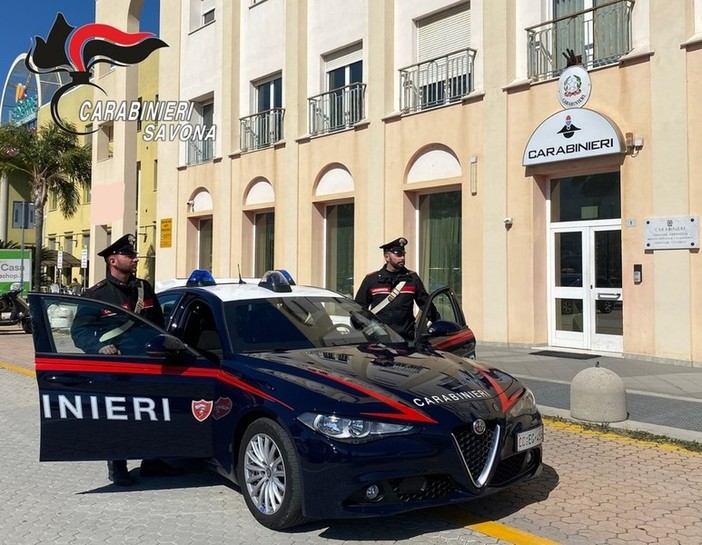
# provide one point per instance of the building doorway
(585, 263)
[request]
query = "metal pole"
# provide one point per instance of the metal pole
(24, 225)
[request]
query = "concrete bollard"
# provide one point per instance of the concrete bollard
(598, 395)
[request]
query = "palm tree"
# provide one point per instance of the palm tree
(54, 162)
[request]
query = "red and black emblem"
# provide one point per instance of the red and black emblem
(77, 50)
(222, 407)
(202, 409)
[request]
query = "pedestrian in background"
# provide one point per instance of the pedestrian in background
(75, 287)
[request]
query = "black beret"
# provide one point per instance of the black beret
(125, 245)
(397, 245)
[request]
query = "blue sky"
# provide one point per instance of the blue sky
(20, 21)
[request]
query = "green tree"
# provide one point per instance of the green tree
(54, 163)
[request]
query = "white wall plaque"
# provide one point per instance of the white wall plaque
(672, 233)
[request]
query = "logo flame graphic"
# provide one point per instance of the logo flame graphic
(77, 50)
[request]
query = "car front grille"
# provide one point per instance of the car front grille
(478, 451)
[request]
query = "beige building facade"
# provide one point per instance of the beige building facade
(335, 126)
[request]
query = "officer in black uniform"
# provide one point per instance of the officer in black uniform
(391, 292)
(103, 332)
(100, 333)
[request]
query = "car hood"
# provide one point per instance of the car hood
(430, 383)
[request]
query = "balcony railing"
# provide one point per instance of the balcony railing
(200, 151)
(261, 130)
(599, 36)
(436, 82)
(337, 109)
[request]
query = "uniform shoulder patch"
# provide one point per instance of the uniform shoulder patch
(96, 287)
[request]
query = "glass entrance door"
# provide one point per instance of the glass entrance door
(606, 304)
(587, 305)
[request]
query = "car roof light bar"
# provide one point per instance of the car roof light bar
(200, 277)
(276, 281)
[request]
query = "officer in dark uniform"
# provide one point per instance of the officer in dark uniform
(391, 292)
(104, 332)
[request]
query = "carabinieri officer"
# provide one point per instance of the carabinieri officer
(102, 331)
(101, 334)
(391, 292)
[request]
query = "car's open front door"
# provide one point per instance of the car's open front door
(442, 325)
(95, 406)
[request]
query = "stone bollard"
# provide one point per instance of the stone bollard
(598, 395)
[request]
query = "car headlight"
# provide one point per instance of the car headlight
(352, 430)
(525, 405)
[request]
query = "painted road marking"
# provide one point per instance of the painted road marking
(17, 369)
(491, 528)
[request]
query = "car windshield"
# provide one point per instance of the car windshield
(287, 323)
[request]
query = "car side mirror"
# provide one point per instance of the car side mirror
(164, 346)
(442, 328)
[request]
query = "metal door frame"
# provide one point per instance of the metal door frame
(587, 339)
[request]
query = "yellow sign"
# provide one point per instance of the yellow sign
(166, 232)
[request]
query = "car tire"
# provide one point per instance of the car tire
(27, 325)
(268, 471)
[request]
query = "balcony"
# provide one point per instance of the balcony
(599, 36)
(338, 109)
(200, 151)
(436, 82)
(261, 130)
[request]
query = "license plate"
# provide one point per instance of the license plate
(530, 439)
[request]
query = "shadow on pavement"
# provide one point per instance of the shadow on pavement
(509, 501)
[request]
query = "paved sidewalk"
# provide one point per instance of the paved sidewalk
(662, 398)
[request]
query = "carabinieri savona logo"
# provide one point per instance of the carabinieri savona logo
(77, 50)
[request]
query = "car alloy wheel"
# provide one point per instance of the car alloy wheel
(264, 471)
(268, 471)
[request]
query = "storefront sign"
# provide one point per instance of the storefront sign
(574, 87)
(577, 133)
(15, 266)
(166, 233)
(673, 233)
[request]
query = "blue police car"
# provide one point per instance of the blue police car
(306, 401)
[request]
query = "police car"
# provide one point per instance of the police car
(306, 401)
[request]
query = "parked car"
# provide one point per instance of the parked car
(314, 407)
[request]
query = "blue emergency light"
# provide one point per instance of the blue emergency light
(200, 277)
(278, 281)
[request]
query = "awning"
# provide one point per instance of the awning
(51, 257)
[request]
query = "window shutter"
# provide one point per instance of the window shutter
(443, 33)
(346, 56)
